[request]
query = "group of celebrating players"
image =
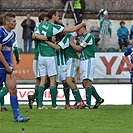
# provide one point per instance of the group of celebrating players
(56, 61)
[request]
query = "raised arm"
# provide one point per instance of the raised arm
(75, 28)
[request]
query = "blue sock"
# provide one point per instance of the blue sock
(14, 105)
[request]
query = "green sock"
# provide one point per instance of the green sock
(76, 95)
(35, 95)
(66, 93)
(2, 103)
(3, 92)
(88, 95)
(53, 90)
(40, 95)
(95, 94)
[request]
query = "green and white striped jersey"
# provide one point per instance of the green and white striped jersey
(36, 53)
(48, 29)
(89, 50)
(65, 44)
(105, 26)
(61, 58)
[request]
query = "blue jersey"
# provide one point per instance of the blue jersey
(6, 40)
(129, 52)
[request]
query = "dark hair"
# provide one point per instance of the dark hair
(41, 16)
(51, 12)
(1, 20)
(122, 22)
(8, 16)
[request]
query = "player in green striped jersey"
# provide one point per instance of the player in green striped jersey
(61, 67)
(37, 37)
(105, 29)
(72, 69)
(87, 65)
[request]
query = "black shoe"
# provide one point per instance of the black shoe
(30, 100)
(3, 109)
(98, 103)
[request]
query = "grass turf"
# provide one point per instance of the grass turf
(106, 119)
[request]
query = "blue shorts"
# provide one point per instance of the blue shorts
(2, 76)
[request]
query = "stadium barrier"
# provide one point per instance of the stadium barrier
(113, 94)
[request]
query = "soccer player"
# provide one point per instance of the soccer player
(129, 52)
(47, 62)
(42, 17)
(31, 98)
(87, 65)
(61, 68)
(16, 53)
(3, 107)
(7, 38)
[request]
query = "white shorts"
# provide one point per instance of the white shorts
(72, 67)
(47, 66)
(61, 75)
(87, 68)
(35, 68)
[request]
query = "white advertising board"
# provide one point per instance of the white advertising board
(117, 94)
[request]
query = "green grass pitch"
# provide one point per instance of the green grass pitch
(106, 119)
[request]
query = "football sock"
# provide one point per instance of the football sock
(66, 93)
(88, 95)
(36, 93)
(40, 95)
(95, 94)
(2, 103)
(53, 91)
(3, 92)
(76, 95)
(15, 106)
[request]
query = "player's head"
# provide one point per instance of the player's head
(53, 14)
(105, 14)
(81, 30)
(1, 20)
(42, 17)
(9, 21)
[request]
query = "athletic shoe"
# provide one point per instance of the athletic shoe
(86, 106)
(57, 107)
(78, 105)
(3, 109)
(98, 103)
(30, 100)
(42, 107)
(22, 119)
(68, 106)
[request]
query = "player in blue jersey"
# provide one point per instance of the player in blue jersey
(3, 107)
(7, 38)
(16, 53)
(129, 52)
